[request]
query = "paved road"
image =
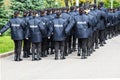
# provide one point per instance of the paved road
(104, 63)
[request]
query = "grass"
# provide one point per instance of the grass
(6, 44)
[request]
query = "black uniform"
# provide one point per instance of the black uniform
(83, 32)
(59, 36)
(36, 30)
(17, 34)
(27, 42)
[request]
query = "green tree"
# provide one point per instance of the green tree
(4, 10)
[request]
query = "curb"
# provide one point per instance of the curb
(6, 54)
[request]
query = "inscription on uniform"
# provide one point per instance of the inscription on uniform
(56, 25)
(82, 22)
(15, 25)
(33, 26)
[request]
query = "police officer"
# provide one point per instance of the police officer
(58, 32)
(17, 34)
(26, 46)
(72, 37)
(95, 32)
(110, 23)
(50, 17)
(83, 31)
(102, 27)
(45, 47)
(90, 38)
(36, 30)
(68, 20)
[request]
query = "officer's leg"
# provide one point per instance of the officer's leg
(84, 48)
(104, 36)
(42, 54)
(89, 45)
(24, 48)
(52, 46)
(66, 47)
(79, 47)
(19, 49)
(33, 51)
(46, 47)
(56, 49)
(29, 47)
(18, 46)
(74, 42)
(38, 51)
(70, 41)
(92, 43)
(62, 44)
(109, 33)
(96, 40)
(15, 50)
(101, 37)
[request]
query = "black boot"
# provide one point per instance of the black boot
(101, 44)
(33, 57)
(28, 54)
(16, 57)
(19, 59)
(25, 54)
(96, 46)
(83, 55)
(46, 53)
(70, 51)
(38, 56)
(88, 52)
(104, 42)
(51, 52)
(74, 49)
(56, 56)
(79, 52)
(62, 55)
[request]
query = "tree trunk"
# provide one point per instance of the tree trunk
(66, 3)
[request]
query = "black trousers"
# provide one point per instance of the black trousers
(74, 41)
(36, 48)
(89, 43)
(96, 34)
(45, 46)
(82, 43)
(27, 45)
(59, 45)
(69, 44)
(101, 36)
(18, 47)
(66, 46)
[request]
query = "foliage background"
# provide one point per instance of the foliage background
(7, 7)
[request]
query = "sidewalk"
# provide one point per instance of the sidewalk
(104, 63)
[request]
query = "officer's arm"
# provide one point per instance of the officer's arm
(69, 26)
(27, 33)
(5, 28)
(42, 28)
(50, 28)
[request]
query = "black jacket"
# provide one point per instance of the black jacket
(17, 30)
